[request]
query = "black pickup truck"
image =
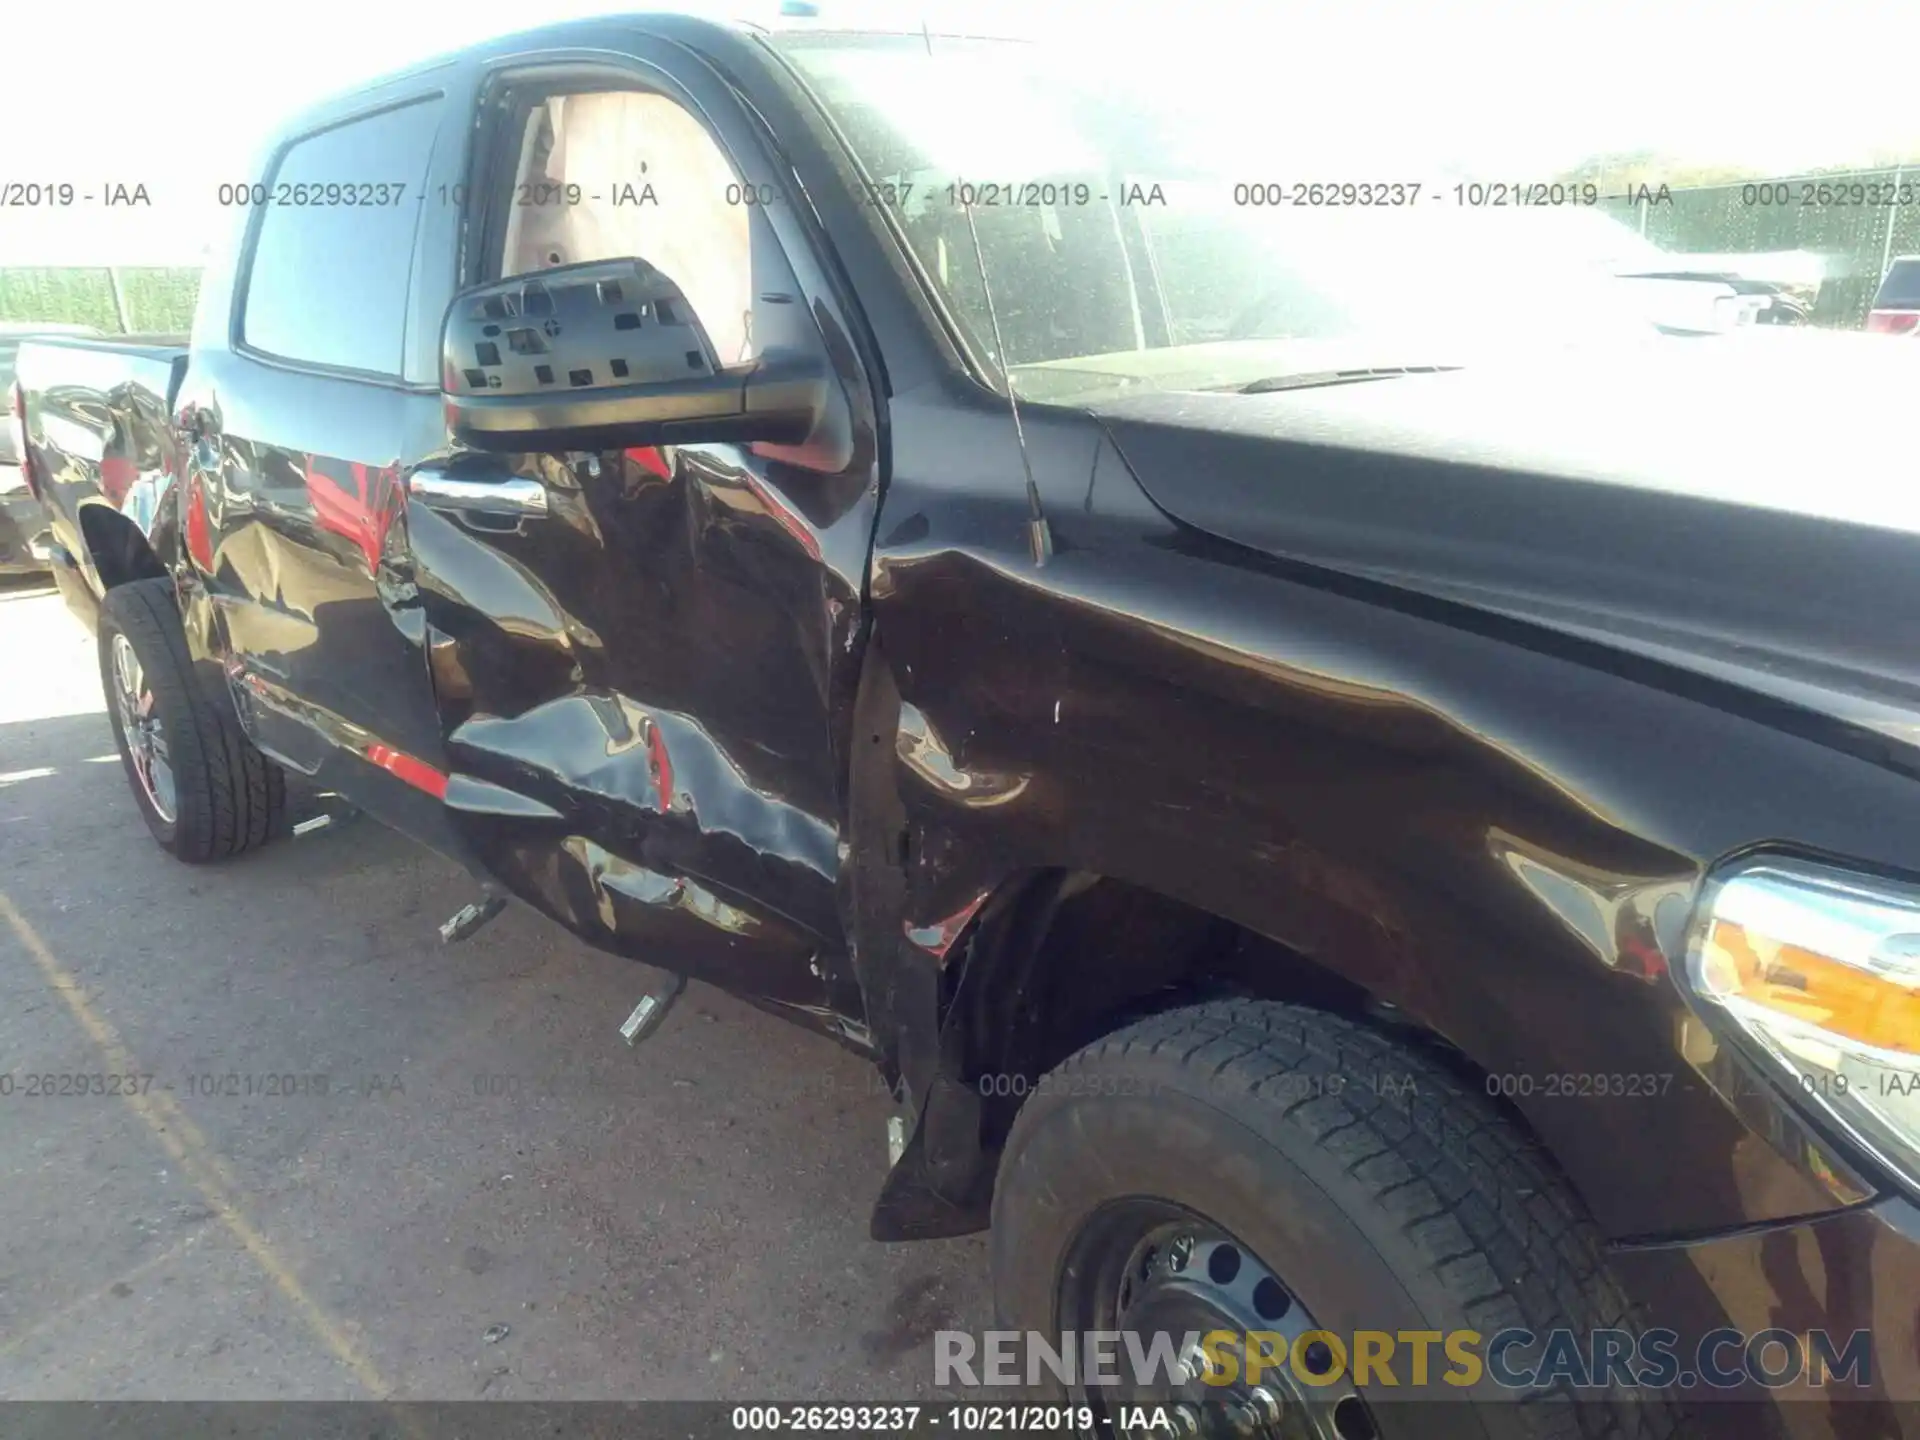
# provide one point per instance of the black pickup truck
(1331, 829)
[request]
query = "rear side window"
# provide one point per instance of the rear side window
(328, 282)
(1901, 288)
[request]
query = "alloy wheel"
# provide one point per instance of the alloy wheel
(140, 727)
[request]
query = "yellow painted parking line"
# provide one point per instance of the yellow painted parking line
(189, 1149)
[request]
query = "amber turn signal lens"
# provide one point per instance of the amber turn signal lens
(1802, 985)
(1818, 968)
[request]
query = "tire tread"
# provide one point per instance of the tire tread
(1498, 1230)
(229, 798)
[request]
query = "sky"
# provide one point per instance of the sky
(178, 96)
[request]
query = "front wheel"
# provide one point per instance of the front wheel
(201, 786)
(1307, 1187)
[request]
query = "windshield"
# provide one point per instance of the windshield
(1125, 245)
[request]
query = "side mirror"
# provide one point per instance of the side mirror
(606, 355)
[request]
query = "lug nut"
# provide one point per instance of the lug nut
(1242, 1418)
(1267, 1404)
(1192, 1365)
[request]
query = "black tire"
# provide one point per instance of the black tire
(1380, 1206)
(227, 796)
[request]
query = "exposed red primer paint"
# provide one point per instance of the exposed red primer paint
(650, 459)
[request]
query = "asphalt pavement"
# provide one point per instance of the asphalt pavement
(263, 1137)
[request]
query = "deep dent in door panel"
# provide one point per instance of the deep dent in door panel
(644, 694)
(594, 891)
(500, 587)
(600, 755)
(635, 692)
(615, 879)
(295, 516)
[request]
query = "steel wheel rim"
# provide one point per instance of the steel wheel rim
(1150, 1266)
(140, 728)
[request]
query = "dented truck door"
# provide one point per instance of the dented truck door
(307, 395)
(641, 657)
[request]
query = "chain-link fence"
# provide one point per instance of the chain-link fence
(1854, 220)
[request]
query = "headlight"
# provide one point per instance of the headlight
(1820, 968)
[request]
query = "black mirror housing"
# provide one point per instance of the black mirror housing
(605, 355)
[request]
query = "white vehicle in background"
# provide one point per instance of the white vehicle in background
(1690, 293)
(1573, 271)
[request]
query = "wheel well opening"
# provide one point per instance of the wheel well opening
(1074, 957)
(120, 552)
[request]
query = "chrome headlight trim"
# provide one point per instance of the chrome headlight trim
(1814, 969)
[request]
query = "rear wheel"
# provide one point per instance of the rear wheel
(1267, 1170)
(202, 787)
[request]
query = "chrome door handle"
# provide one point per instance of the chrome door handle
(516, 497)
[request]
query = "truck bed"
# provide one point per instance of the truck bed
(100, 436)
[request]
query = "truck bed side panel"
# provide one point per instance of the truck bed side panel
(99, 427)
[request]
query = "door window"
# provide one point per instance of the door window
(625, 173)
(328, 281)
